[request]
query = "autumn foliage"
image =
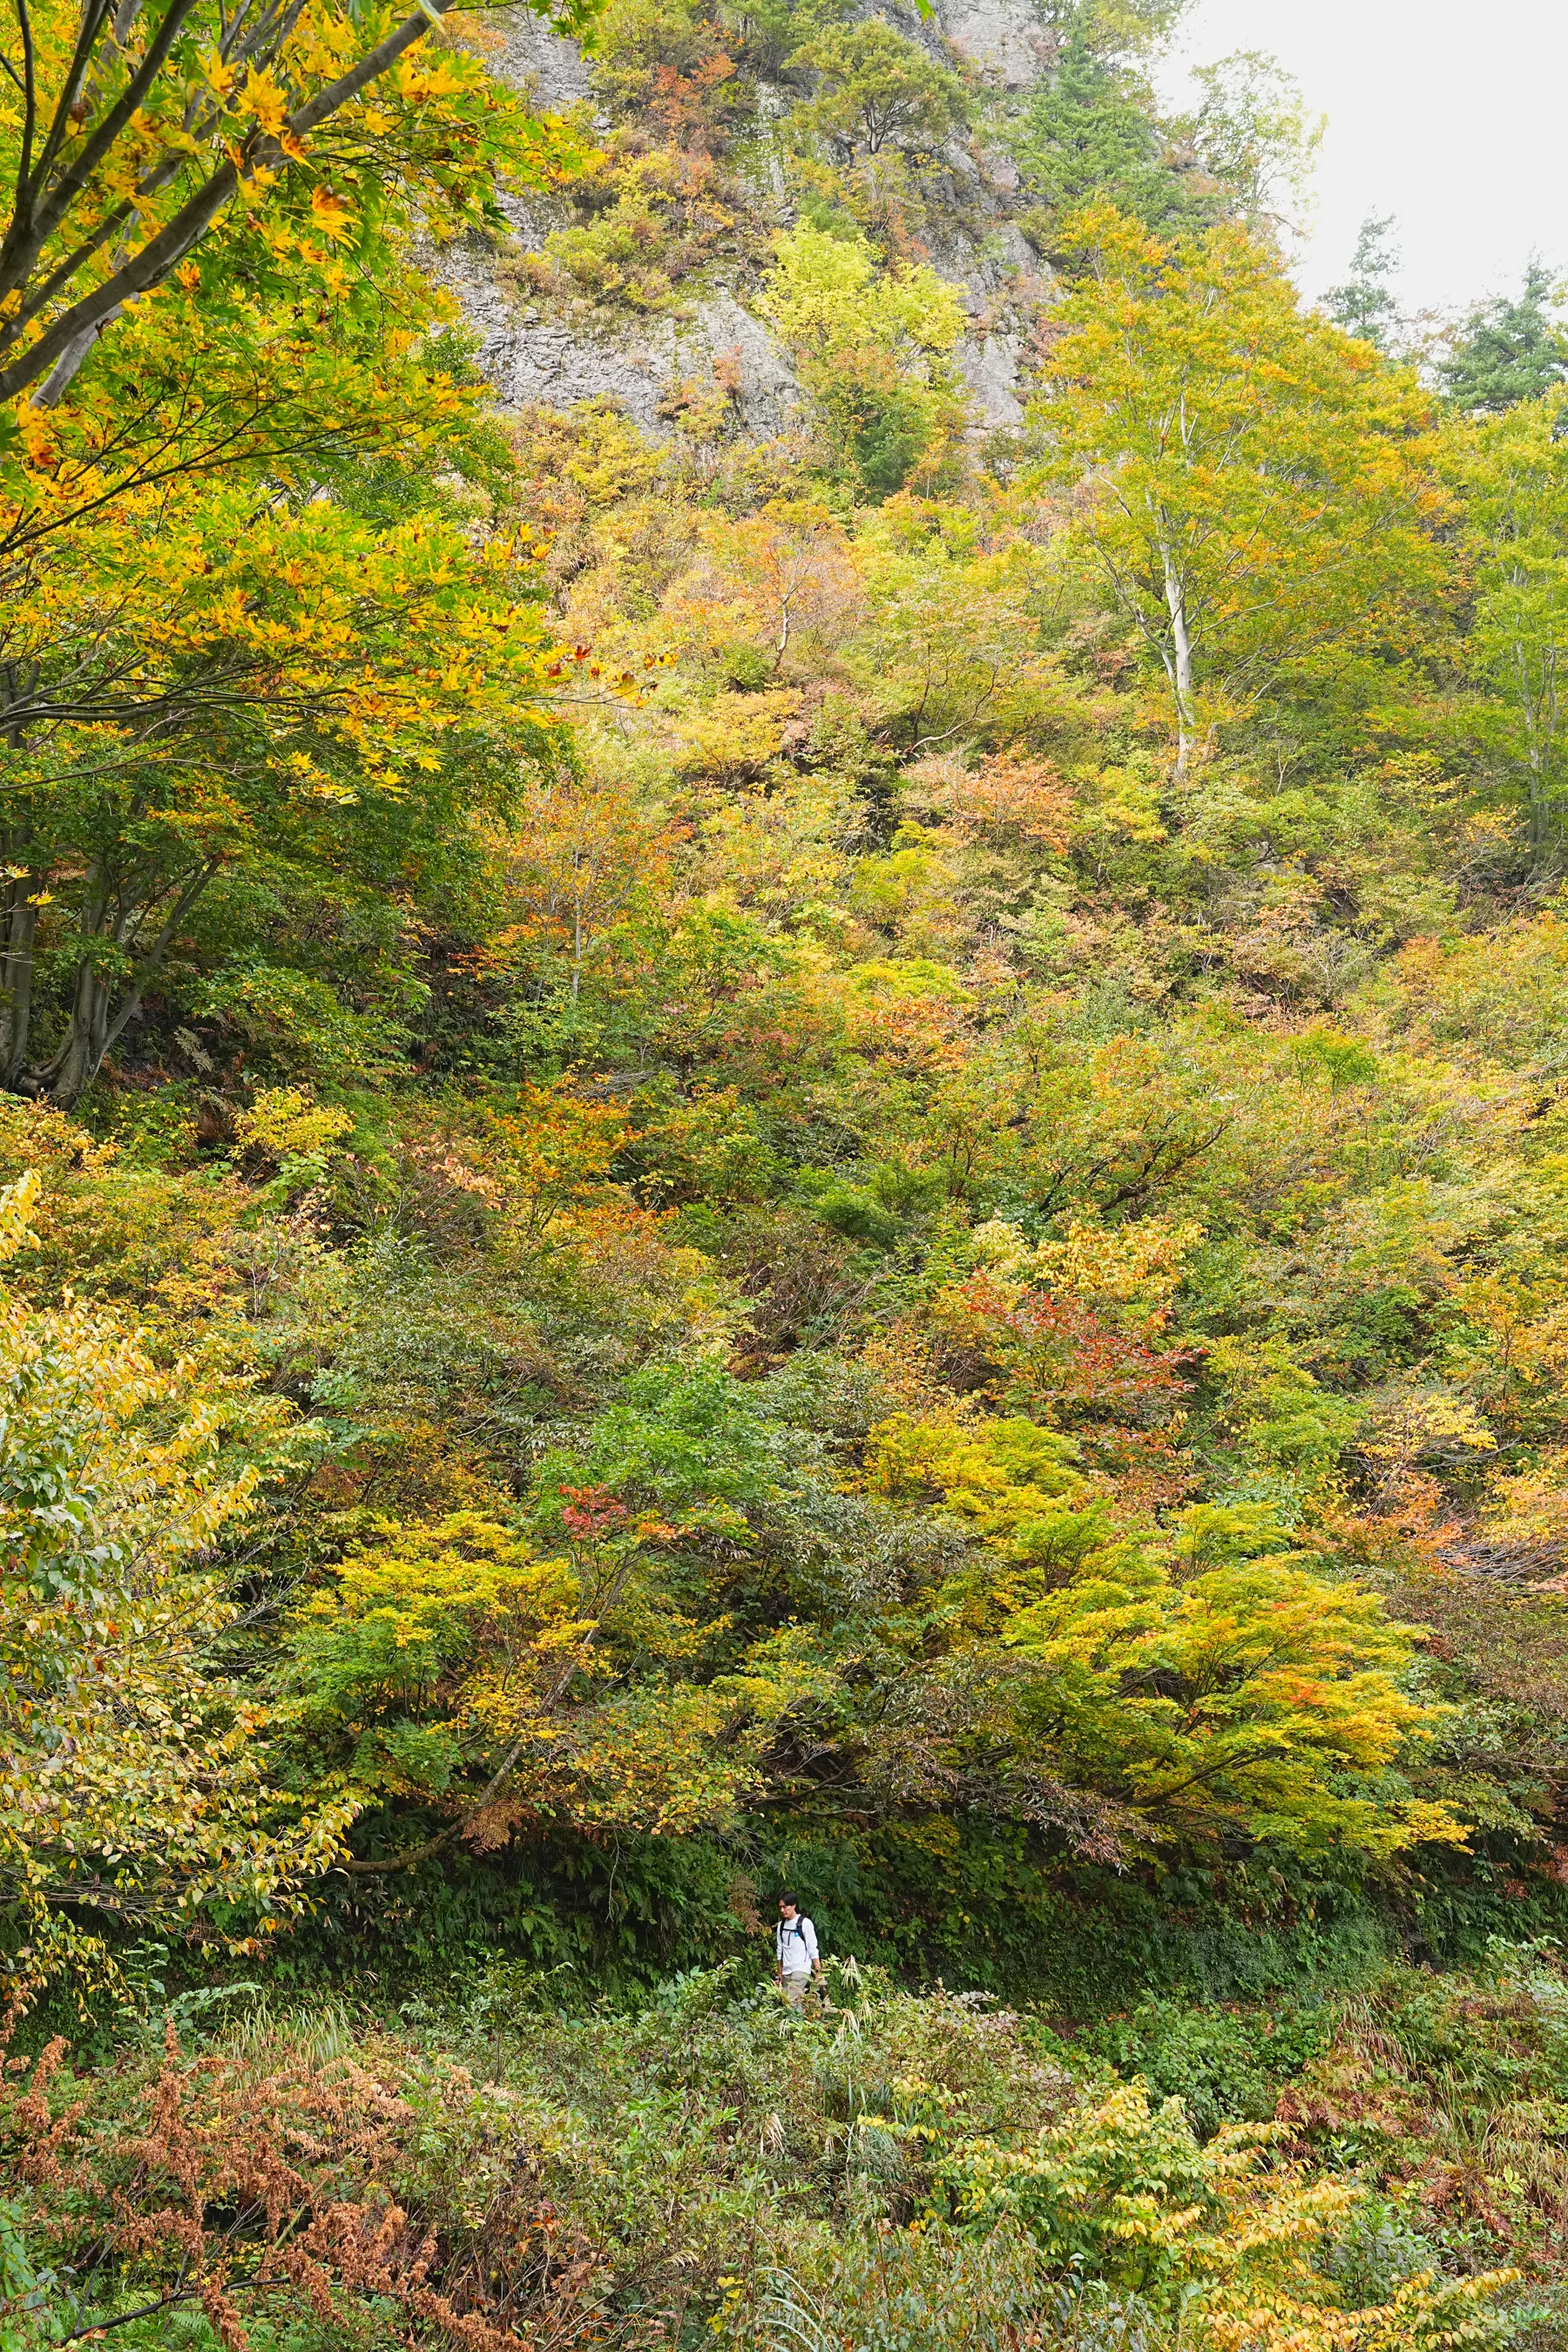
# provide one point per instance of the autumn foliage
(798, 1127)
(248, 2184)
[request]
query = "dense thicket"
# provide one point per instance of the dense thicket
(838, 1163)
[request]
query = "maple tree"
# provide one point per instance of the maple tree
(1248, 1696)
(234, 657)
(1234, 1697)
(458, 1668)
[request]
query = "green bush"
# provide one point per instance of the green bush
(1225, 2065)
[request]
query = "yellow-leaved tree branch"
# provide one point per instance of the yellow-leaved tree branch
(206, 616)
(128, 134)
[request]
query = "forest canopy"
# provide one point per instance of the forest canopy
(825, 1161)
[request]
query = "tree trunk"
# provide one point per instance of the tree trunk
(21, 882)
(1178, 663)
(76, 1065)
(95, 1021)
(19, 920)
(63, 373)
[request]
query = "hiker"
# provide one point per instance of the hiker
(798, 1958)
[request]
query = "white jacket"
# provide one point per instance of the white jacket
(796, 1942)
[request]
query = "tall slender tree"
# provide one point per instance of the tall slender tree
(1249, 479)
(1367, 305)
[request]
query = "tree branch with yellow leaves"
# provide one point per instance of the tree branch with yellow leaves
(131, 135)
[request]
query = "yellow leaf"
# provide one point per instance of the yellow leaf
(330, 213)
(263, 98)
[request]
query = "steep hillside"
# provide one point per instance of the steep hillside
(605, 332)
(783, 1129)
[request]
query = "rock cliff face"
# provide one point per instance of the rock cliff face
(531, 352)
(534, 351)
(1005, 39)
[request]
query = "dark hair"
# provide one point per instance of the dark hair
(792, 1900)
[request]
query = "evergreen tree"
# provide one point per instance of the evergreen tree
(1366, 304)
(1507, 351)
(1094, 132)
(1091, 131)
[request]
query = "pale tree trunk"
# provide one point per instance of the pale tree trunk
(18, 927)
(64, 1077)
(63, 373)
(87, 1038)
(1178, 659)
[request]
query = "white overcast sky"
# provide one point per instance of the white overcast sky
(1450, 117)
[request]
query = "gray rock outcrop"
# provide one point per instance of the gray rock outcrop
(533, 349)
